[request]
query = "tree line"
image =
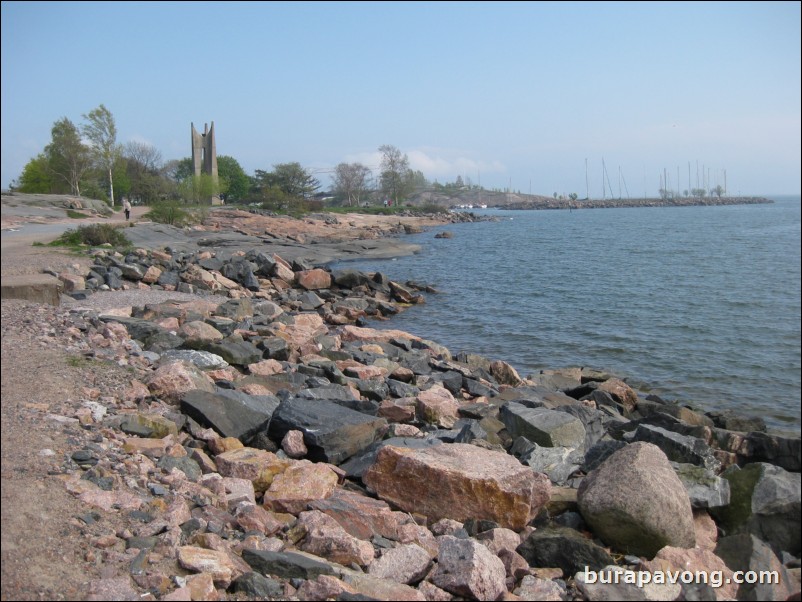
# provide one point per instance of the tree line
(86, 160)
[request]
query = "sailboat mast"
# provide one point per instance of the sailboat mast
(587, 186)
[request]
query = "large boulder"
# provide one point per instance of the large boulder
(230, 413)
(636, 503)
(332, 433)
(459, 481)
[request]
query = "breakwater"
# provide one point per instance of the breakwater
(542, 203)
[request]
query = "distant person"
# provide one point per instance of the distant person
(127, 209)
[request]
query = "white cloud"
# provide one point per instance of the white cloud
(443, 164)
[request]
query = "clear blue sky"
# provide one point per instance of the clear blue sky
(516, 94)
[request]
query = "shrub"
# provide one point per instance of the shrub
(170, 213)
(93, 235)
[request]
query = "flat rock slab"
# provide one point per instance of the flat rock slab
(39, 288)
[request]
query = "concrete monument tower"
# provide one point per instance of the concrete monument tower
(204, 155)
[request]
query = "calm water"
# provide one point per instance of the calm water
(699, 304)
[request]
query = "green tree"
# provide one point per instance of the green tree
(415, 180)
(184, 169)
(36, 176)
(394, 172)
(351, 181)
(293, 180)
(234, 177)
(68, 158)
(101, 131)
(718, 190)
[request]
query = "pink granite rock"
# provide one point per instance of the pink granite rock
(459, 481)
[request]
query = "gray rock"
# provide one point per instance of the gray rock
(399, 389)
(310, 301)
(765, 501)
(287, 565)
(564, 548)
(559, 463)
(469, 431)
(730, 421)
(747, 553)
(235, 309)
(234, 350)
(705, 489)
(185, 464)
(350, 278)
(678, 448)
(785, 452)
(547, 428)
(600, 452)
(477, 389)
(162, 341)
(137, 328)
(230, 413)
(242, 273)
(332, 432)
(275, 348)
(202, 359)
(592, 420)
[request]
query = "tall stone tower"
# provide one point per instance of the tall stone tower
(204, 155)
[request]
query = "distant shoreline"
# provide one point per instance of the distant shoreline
(542, 204)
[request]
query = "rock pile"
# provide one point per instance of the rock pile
(273, 446)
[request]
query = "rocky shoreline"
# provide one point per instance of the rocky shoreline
(267, 443)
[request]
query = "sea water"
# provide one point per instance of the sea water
(695, 304)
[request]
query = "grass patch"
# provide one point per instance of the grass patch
(93, 235)
(78, 361)
(75, 214)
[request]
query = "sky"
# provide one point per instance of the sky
(507, 95)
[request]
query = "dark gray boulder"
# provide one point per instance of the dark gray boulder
(565, 548)
(230, 413)
(332, 433)
(678, 448)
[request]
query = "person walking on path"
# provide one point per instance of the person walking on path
(127, 209)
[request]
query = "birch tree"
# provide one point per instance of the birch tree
(395, 167)
(351, 181)
(101, 132)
